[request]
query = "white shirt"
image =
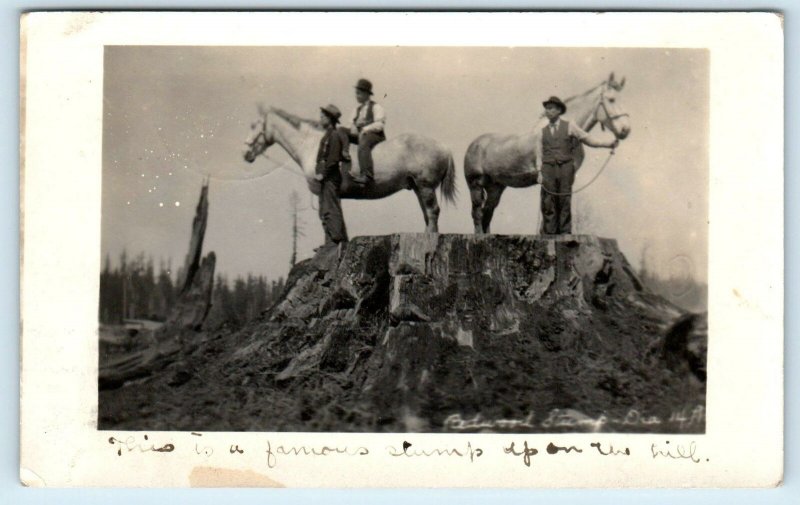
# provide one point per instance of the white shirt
(378, 117)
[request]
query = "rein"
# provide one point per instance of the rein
(262, 135)
(591, 181)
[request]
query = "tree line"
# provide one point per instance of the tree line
(134, 289)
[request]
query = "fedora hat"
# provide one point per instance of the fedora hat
(332, 111)
(364, 85)
(554, 100)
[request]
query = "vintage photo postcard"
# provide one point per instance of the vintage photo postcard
(353, 250)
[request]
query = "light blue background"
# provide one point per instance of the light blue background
(12, 492)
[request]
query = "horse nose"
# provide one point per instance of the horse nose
(624, 129)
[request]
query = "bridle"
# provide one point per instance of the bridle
(262, 137)
(610, 118)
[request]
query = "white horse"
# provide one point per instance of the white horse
(407, 161)
(494, 162)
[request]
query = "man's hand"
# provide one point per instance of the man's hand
(353, 130)
(614, 144)
(319, 177)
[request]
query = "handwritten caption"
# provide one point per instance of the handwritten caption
(471, 451)
(523, 451)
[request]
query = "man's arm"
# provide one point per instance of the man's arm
(344, 142)
(578, 132)
(537, 153)
(353, 126)
(319, 169)
(378, 119)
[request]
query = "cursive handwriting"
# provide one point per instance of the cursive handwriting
(611, 451)
(526, 452)
(452, 451)
(555, 449)
(130, 444)
(570, 418)
(635, 418)
(455, 422)
(303, 450)
(676, 451)
(207, 451)
(684, 419)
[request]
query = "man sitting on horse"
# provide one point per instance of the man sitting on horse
(554, 162)
(366, 130)
(329, 156)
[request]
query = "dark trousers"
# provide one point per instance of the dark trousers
(556, 208)
(365, 144)
(330, 211)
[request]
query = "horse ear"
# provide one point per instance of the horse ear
(622, 83)
(611, 78)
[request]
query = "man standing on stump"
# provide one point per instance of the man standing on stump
(366, 130)
(329, 156)
(554, 162)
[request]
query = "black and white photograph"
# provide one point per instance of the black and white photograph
(353, 249)
(410, 239)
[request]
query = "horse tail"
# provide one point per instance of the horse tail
(448, 187)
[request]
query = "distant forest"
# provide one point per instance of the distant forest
(684, 292)
(134, 289)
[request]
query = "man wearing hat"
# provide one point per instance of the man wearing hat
(554, 162)
(329, 156)
(369, 119)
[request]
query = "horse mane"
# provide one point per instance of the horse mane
(590, 91)
(613, 85)
(294, 120)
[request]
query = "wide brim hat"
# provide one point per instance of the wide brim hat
(332, 111)
(554, 100)
(364, 85)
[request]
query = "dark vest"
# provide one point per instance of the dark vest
(324, 151)
(368, 118)
(556, 147)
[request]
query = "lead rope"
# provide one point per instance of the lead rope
(591, 181)
(285, 164)
(539, 216)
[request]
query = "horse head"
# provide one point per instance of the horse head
(610, 113)
(260, 138)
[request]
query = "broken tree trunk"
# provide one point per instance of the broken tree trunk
(197, 281)
(187, 315)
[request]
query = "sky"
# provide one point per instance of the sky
(175, 115)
